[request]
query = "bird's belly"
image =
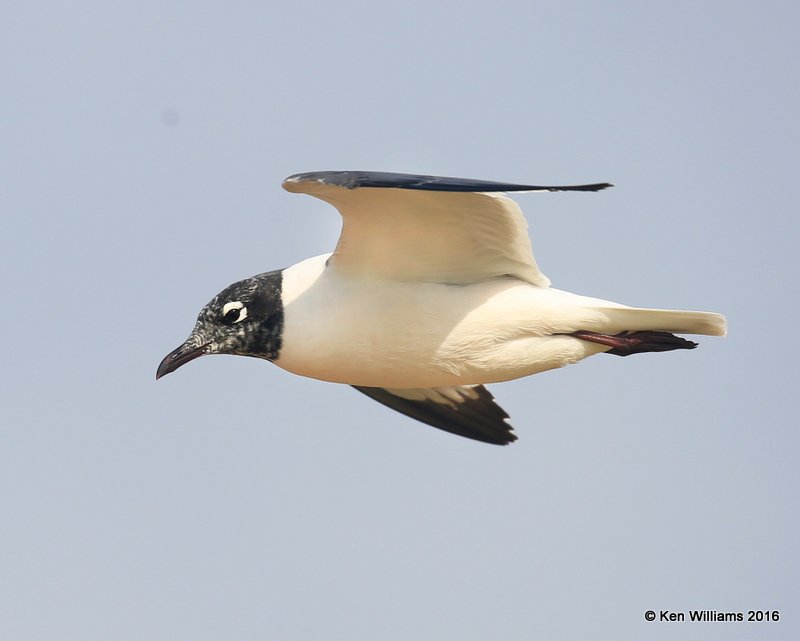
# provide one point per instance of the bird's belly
(359, 342)
(417, 363)
(421, 335)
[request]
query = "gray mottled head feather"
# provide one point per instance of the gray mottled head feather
(245, 318)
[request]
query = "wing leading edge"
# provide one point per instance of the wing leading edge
(385, 179)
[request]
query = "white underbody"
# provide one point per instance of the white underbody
(385, 333)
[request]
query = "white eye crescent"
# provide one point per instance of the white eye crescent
(234, 312)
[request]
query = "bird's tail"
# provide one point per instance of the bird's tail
(634, 319)
(637, 331)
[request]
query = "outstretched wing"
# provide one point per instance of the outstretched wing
(467, 410)
(427, 228)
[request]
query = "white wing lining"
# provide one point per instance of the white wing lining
(428, 236)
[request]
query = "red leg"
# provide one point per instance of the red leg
(627, 343)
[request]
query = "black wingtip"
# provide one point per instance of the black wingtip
(479, 418)
(591, 187)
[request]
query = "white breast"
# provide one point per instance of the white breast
(383, 333)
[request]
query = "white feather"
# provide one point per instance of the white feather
(428, 236)
(383, 333)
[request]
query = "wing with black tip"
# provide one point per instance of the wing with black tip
(466, 410)
(409, 228)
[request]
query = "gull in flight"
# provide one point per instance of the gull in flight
(431, 293)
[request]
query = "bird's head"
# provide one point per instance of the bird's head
(245, 319)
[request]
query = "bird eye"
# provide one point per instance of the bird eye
(234, 312)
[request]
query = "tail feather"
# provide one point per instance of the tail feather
(664, 320)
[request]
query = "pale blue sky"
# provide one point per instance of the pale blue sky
(142, 147)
